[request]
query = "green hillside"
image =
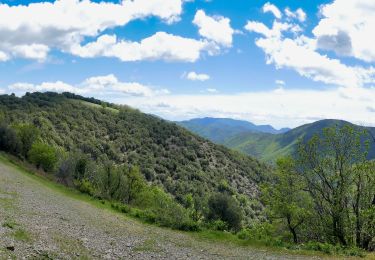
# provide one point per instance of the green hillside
(219, 130)
(269, 147)
(168, 156)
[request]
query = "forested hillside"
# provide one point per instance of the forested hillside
(219, 130)
(269, 147)
(184, 165)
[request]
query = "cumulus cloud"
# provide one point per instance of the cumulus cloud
(279, 107)
(286, 47)
(347, 28)
(196, 77)
(268, 7)
(161, 46)
(31, 31)
(217, 28)
(299, 14)
(280, 82)
(99, 86)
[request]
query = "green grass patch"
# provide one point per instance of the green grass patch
(9, 223)
(21, 235)
(149, 245)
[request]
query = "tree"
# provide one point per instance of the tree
(224, 207)
(9, 141)
(285, 197)
(43, 155)
(27, 134)
(135, 183)
(329, 163)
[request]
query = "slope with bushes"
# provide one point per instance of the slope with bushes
(105, 149)
(269, 147)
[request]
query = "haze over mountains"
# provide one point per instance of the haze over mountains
(220, 129)
(263, 142)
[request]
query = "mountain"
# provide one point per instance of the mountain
(168, 155)
(269, 147)
(220, 129)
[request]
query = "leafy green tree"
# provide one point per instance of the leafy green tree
(27, 134)
(43, 155)
(285, 197)
(9, 141)
(329, 163)
(224, 207)
(135, 183)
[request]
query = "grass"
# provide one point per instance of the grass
(148, 245)
(9, 223)
(21, 235)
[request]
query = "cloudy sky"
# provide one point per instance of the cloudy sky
(285, 63)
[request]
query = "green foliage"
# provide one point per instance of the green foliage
(179, 162)
(27, 135)
(43, 155)
(224, 207)
(286, 197)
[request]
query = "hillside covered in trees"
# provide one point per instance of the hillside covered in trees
(91, 144)
(322, 198)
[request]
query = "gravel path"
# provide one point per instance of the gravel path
(37, 222)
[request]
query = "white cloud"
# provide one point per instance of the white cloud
(285, 47)
(100, 86)
(57, 86)
(212, 90)
(347, 27)
(217, 29)
(279, 107)
(30, 31)
(268, 7)
(299, 14)
(160, 46)
(280, 82)
(196, 77)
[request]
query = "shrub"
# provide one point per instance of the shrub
(224, 207)
(43, 155)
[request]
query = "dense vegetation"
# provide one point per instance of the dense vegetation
(322, 198)
(119, 154)
(327, 192)
(264, 145)
(219, 130)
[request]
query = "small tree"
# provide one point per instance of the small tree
(43, 155)
(135, 183)
(285, 198)
(329, 164)
(27, 134)
(224, 207)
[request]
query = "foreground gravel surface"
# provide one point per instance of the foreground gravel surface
(37, 222)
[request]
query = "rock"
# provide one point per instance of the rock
(10, 248)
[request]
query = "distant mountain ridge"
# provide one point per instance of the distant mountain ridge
(268, 146)
(221, 129)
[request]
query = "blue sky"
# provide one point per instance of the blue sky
(280, 62)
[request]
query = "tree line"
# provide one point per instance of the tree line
(326, 192)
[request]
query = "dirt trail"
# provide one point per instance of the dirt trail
(37, 222)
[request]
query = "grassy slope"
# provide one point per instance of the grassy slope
(269, 147)
(167, 154)
(213, 238)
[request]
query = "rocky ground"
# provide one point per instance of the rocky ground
(38, 222)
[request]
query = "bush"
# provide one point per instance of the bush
(334, 249)
(263, 233)
(43, 155)
(224, 207)
(85, 186)
(165, 211)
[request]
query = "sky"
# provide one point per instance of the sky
(284, 63)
